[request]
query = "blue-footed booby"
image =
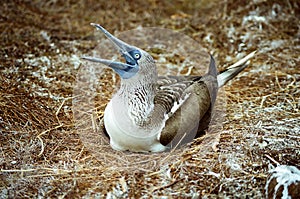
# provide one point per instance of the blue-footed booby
(150, 113)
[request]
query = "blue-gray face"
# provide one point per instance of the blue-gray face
(132, 64)
(135, 55)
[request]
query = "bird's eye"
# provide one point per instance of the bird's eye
(137, 56)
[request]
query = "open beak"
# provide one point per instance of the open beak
(122, 47)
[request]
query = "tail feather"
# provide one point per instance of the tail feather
(212, 70)
(234, 70)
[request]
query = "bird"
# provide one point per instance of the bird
(152, 113)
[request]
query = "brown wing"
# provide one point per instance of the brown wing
(183, 125)
(193, 115)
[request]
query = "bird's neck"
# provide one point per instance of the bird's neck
(137, 98)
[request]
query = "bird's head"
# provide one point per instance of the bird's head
(137, 60)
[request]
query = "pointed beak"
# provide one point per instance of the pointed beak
(122, 47)
(113, 64)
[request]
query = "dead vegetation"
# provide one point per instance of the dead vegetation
(43, 155)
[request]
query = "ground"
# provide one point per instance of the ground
(43, 155)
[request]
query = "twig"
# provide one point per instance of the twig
(42, 146)
(41, 140)
(59, 108)
(80, 153)
(272, 159)
(48, 130)
(171, 152)
(277, 81)
(168, 185)
(61, 105)
(263, 100)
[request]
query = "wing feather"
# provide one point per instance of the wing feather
(171, 90)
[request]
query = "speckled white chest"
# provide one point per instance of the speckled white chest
(124, 135)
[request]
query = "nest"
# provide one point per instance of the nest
(43, 153)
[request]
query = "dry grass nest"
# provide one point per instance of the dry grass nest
(46, 152)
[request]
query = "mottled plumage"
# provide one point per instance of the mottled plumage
(151, 113)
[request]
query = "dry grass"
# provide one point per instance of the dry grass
(42, 153)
